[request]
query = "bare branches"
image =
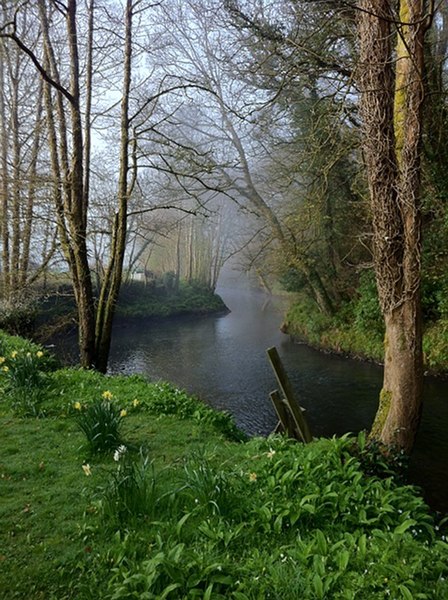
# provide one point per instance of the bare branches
(12, 35)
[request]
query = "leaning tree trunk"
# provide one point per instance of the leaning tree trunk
(392, 97)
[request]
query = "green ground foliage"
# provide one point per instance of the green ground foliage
(181, 506)
(357, 327)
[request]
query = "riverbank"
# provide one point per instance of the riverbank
(361, 339)
(179, 508)
(56, 314)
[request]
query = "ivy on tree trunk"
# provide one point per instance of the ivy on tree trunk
(391, 76)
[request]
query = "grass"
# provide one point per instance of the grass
(184, 509)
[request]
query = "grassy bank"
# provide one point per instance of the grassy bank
(137, 301)
(54, 310)
(361, 334)
(172, 503)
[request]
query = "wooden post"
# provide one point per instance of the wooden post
(282, 414)
(290, 403)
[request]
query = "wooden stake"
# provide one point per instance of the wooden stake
(290, 403)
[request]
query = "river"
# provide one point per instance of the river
(222, 359)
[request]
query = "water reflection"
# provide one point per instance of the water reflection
(222, 359)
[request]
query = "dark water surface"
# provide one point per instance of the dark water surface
(222, 359)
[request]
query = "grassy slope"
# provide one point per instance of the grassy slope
(218, 519)
(343, 334)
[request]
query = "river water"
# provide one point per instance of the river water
(222, 359)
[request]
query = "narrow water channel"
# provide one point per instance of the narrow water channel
(222, 359)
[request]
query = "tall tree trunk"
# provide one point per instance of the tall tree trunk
(71, 205)
(391, 110)
(32, 188)
(4, 200)
(78, 207)
(16, 178)
(112, 280)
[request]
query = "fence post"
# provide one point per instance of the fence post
(291, 405)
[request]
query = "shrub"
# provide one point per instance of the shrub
(18, 319)
(308, 524)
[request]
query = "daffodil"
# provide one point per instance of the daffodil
(135, 402)
(271, 453)
(14, 353)
(87, 470)
(123, 412)
(252, 477)
(2, 360)
(5, 368)
(39, 354)
(119, 452)
(107, 395)
(77, 405)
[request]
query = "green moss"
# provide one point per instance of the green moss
(381, 414)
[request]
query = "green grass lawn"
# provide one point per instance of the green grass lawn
(180, 506)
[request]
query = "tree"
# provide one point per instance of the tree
(69, 142)
(24, 222)
(392, 84)
(239, 120)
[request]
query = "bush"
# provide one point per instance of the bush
(18, 319)
(287, 521)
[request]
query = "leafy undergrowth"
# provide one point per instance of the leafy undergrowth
(341, 333)
(175, 508)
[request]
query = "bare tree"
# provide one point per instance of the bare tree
(70, 159)
(24, 180)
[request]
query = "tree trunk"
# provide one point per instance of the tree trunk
(78, 207)
(391, 110)
(112, 280)
(398, 415)
(71, 204)
(4, 200)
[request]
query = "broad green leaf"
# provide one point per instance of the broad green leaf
(404, 526)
